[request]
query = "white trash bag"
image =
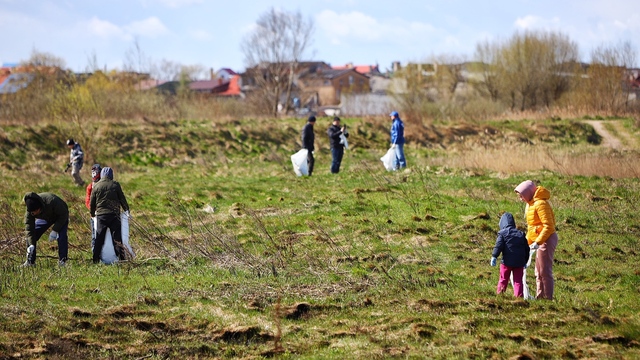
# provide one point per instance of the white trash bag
(343, 141)
(108, 254)
(299, 161)
(389, 160)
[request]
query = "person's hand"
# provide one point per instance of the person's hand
(534, 246)
(53, 236)
(493, 261)
(393, 146)
(127, 214)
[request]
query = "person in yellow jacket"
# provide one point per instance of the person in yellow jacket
(541, 234)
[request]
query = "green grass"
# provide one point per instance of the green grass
(363, 264)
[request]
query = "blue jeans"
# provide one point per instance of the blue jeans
(63, 240)
(336, 155)
(400, 160)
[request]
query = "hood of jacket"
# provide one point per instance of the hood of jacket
(526, 189)
(507, 221)
(541, 194)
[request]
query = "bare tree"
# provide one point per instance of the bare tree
(272, 53)
(487, 55)
(44, 59)
(171, 70)
(530, 69)
(606, 78)
(136, 60)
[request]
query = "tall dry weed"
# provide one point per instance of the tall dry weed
(515, 160)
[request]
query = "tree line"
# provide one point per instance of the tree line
(529, 71)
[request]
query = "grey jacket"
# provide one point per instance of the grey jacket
(76, 156)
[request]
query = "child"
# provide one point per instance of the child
(513, 245)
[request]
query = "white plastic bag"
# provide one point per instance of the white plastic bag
(343, 141)
(299, 161)
(389, 160)
(108, 253)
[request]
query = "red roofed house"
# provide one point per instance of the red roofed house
(362, 69)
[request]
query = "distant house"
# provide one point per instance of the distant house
(16, 78)
(368, 70)
(330, 84)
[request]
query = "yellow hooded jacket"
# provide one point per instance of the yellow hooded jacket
(540, 218)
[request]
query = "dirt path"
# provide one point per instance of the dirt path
(610, 140)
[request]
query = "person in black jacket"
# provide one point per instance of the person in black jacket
(308, 138)
(337, 147)
(46, 210)
(513, 245)
(106, 199)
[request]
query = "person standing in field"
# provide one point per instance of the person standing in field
(308, 139)
(46, 210)
(337, 147)
(397, 140)
(106, 200)
(512, 244)
(95, 177)
(76, 160)
(541, 234)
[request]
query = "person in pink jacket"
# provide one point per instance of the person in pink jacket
(541, 234)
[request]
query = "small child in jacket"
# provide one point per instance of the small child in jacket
(513, 245)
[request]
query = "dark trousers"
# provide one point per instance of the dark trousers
(63, 240)
(108, 222)
(336, 155)
(310, 162)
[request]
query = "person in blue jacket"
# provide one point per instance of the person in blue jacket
(513, 245)
(397, 140)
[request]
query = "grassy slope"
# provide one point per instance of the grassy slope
(359, 265)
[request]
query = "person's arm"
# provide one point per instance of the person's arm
(87, 198)
(122, 199)
(497, 249)
(394, 133)
(92, 204)
(548, 227)
(29, 227)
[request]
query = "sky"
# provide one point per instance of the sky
(209, 33)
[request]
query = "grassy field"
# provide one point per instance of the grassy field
(238, 258)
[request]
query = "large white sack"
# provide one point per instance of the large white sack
(389, 160)
(108, 254)
(299, 161)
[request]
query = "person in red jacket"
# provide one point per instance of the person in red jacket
(95, 177)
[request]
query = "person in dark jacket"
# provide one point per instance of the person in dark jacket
(46, 210)
(106, 199)
(513, 245)
(337, 147)
(308, 138)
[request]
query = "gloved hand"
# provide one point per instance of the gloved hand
(493, 261)
(393, 146)
(53, 235)
(534, 246)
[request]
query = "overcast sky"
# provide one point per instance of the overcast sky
(209, 32)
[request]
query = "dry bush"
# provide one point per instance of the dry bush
(513, 160)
